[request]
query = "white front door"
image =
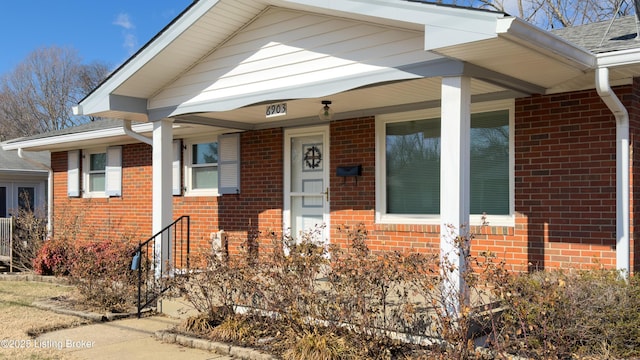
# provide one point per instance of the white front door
(306, 183)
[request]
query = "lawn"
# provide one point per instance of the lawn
(19, 318)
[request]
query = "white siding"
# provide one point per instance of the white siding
(286, 48)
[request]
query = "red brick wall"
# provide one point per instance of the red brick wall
(128, 216)
(565, 179)
(564, 189)
(258, 207)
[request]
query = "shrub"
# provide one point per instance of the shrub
(557, 315)
(218, 287)
(371, 289)
(288, 278)
(53, 258)
(318, 346)
(306, 302)
(102, 273)
(30, 233)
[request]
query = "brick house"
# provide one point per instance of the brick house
(437, 115)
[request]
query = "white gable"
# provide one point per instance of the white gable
(284, 49)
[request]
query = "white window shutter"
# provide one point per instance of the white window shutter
(229, 164)
(177, 167)
(113, 171)
(73, 173)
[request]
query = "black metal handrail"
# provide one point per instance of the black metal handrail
(159, 258)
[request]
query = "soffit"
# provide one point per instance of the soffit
(516, 60)
(366, 101)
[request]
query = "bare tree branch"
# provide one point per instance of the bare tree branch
(38, 95)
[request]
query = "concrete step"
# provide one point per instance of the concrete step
(176, 307)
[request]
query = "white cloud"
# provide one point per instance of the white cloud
(130, 42)
(124, 21)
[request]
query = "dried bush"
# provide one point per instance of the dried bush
(371, 290)
(30, 232)
(219, 286)
(288, 278)
(300, 301)
(556, 314)
(313, 345)
(102, 273)
(54, 256)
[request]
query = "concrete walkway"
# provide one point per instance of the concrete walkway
(122, 339)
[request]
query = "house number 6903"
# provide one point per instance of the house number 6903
(276, 110)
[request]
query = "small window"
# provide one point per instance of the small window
(97, 171)
(202, 168)
(102, 172)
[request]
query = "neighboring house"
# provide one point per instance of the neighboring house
(443, 113)
(23, 182)
(23, 186)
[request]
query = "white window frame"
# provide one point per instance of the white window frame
(475, 219)
(188, 166)
(86, 166)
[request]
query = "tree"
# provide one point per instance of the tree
(38, 95)
(553, 14)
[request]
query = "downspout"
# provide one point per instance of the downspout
(622, 168)
(23, 156)
(126, 126)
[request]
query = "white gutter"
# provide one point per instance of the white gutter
(622, 168)
(23, 156)
(126, 126)
(532, 37)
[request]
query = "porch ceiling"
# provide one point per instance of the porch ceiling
(366, 101)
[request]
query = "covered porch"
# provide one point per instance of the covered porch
(228, 64)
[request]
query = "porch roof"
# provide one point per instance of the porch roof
(497, 50)
(504, 56)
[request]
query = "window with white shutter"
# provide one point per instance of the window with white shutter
(102, 172)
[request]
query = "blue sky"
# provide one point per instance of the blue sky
(109, 31)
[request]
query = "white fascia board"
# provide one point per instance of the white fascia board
(539, 40)
(98, 101)
(398, 10)
(444, 26)
(618, 58)
(55, 141)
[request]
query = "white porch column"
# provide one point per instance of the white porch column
(454, 186)
(162, 188)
